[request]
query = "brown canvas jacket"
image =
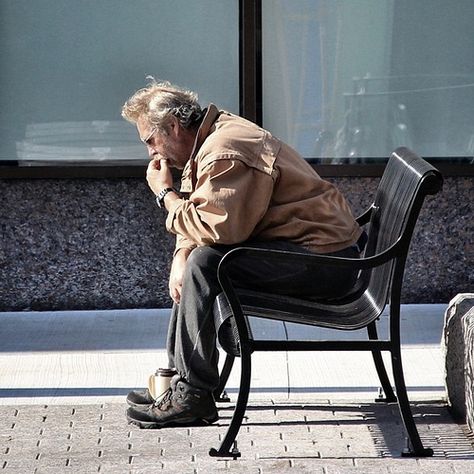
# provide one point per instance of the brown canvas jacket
(242, 183)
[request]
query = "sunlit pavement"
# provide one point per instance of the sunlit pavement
(64, 377)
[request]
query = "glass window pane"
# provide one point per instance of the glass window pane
(67, 66)
(357, 78)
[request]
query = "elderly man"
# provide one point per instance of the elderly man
(240, 186)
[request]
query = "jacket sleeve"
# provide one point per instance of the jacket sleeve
(229, 200)
(183, 243)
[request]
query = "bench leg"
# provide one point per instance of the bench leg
(239, 412)
(417, 449)
(219, 393)
(380, 367)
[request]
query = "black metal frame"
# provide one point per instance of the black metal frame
(405, 184)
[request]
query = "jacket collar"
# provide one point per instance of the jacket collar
(188, 178)
(212, 113)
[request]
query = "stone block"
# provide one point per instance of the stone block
(458, 349)
(469, 380)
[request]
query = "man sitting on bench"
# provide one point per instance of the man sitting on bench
(240, 186)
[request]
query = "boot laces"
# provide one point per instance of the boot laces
(166, 399)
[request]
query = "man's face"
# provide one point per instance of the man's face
(175, 146)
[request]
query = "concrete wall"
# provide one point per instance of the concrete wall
(101, 243)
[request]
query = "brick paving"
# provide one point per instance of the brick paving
(299, 437)
(63, 377)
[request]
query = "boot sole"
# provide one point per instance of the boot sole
(150, 425)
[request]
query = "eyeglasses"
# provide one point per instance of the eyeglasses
(146, 140)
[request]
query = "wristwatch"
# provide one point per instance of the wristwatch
(160, 199)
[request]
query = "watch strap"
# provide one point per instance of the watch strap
(161, 196)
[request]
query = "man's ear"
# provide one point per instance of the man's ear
(174, 127)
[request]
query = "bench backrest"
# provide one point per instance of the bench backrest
(406, 181)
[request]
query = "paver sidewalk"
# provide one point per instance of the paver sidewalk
(278, 437)
(64, 376)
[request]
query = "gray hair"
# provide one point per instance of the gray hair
(158, 101)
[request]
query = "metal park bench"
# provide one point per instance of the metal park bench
(390, 222)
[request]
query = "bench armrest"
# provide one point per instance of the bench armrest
(309, 259)
(364, 218)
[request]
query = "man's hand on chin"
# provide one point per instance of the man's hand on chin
(158, 174)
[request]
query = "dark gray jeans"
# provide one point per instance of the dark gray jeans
(191, 340)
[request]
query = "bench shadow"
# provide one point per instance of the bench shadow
(438, 430)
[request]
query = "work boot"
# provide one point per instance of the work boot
(140, 398)
(183, 405)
